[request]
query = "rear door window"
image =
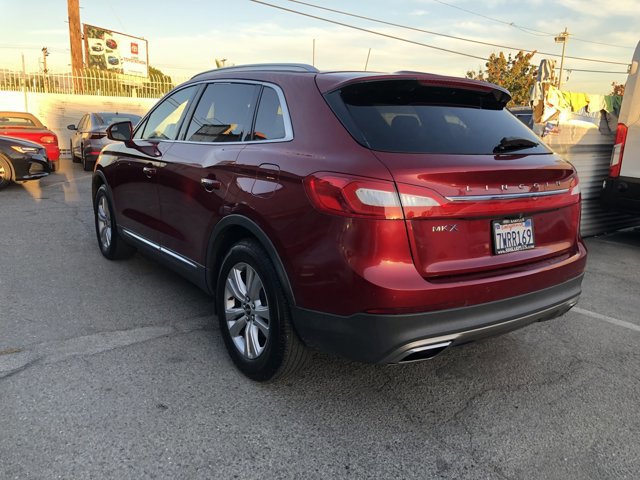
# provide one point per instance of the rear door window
(224, 113)
(407, 116)
(270, 119)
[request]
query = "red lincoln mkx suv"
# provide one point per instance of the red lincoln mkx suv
(381, 217)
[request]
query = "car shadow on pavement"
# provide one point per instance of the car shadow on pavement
(630, 237)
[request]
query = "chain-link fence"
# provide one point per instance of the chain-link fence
(88, 82)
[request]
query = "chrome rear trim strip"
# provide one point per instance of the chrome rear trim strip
(506, 196)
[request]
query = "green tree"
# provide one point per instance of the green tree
(158, 83)
(156, 75)
(516, 74)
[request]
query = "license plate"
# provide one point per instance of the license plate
(512, 235)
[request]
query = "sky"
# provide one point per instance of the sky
(186, 36)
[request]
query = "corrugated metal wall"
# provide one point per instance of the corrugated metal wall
(592, 163)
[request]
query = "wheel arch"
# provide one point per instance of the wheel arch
(97, 181)
(229, 231)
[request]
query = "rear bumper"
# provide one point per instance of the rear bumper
(393, 338)
(53, 152)
(622, 193)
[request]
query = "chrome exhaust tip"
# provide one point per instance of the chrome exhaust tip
(425, 352)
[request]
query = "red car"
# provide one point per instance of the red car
(28, 127)
(381, 217)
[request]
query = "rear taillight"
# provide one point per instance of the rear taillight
(370, 198)
(50, 139)
(353, 196)
(574, 188)
(97, 136)
(365, 197)
(419, 201)
(618, 150)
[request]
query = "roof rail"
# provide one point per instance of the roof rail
(281, 67)
(409, 72)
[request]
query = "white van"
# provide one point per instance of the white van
(621, 188)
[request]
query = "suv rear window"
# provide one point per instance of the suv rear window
(407, 116)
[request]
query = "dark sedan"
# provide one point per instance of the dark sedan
(90, 135)
(21, 160)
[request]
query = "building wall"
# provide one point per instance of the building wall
(57, 111)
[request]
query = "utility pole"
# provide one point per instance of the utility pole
(562, 38)
(75, 40)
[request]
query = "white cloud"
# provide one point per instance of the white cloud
(603, 8)
(48, 31)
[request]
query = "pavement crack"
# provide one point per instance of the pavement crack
(21, 368)
(54, 352)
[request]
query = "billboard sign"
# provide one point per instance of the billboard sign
(115, 52)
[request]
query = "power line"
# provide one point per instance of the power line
(406, 40)
(511, 24)
(367, 30)
(526, 29)
(405, 26)
(569, 69)
(341, 12)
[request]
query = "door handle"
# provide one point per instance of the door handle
(149, 171)
(210, 184)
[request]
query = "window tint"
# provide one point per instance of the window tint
(224, 113)
(165, 120)
(406, 116)
(109, 118)
(270, 120)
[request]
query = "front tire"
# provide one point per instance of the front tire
(110, 242)
(254, 315)
(5, 172)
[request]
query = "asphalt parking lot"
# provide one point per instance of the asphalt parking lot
(117, 370)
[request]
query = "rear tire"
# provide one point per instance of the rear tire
(254, 316)
(87, 166)
(6, 176)
(74, 158)
(110, 242)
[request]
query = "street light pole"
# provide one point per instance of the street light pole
(562, 38)
(45, 54)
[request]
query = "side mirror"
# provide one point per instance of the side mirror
(72, 127)
(122, 131)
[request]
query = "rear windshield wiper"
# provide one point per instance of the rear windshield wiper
(509, 144)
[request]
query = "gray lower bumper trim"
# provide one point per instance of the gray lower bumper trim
(387, 338)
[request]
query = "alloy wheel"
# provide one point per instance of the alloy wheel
(104, 222)
(246, 310)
